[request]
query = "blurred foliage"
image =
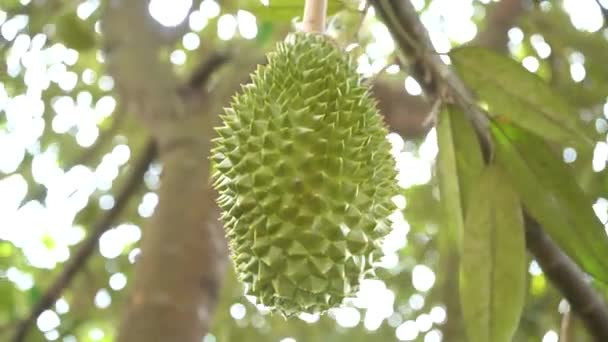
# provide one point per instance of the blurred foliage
(53, 72)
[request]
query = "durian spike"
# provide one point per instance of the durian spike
(314, 16)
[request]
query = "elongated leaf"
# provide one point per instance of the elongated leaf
(285, 10)
(553, 197)
(522, 97)
(493, 266)
(449, 185)
(459, 165)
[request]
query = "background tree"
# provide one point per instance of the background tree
(107, 113)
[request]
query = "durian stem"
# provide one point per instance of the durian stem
(314, 15)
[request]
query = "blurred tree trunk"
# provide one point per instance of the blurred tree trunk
(183, 252)
(182, 263)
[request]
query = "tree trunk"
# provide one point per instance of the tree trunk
(182, 263)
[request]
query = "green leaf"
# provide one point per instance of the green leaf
(552, 196)
(459, 166)
(460, 163)
(74, 32)
(513, 93)
(286, 10)
(493, 266)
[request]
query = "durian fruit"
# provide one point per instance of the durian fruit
(305, 178)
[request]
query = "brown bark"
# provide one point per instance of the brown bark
(183, 252)
(179, 272)
(571, 281)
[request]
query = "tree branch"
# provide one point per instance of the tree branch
(438, 80)
(86, 248)
(406, 114)
(569, 279)
(183, 252)
(203, 72)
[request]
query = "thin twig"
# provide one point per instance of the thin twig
(438, 80)
(426, 65)
(86, 248)
(315, 12)
(362, 15)
(565, 329)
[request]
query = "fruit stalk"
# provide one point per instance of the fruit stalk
(314, 15)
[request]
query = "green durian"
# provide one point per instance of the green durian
(305, 178)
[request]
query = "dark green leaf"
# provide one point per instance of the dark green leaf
(553, 197)
(513, 93)
(74, 32)
(459, 164)
(493, 266)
